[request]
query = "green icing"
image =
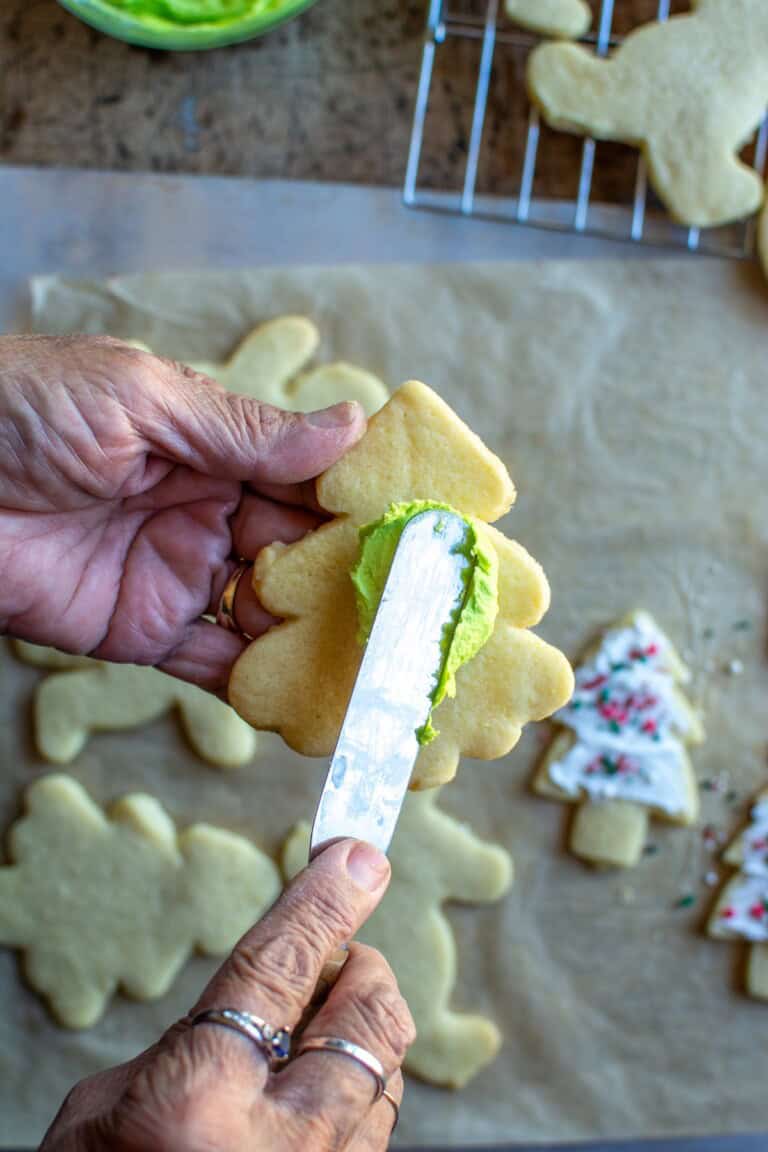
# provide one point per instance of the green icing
(471, 625)
(190, 12)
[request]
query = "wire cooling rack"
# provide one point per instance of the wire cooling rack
(640, 219)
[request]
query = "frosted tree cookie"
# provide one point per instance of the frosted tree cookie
(297, 679)
(271, 364)
(623, 753)
(85, 696)
(434, 859)
(690, 92)
(568, 19)
(742, 910)
(99, 902)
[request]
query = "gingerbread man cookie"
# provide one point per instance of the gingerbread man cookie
(568, 19)
(86, 696)
(297, 679)
(99, 902)
(623, 754)
(742, 910)
(690, 92)
(434, 859)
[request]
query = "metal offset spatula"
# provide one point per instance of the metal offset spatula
(392, 697)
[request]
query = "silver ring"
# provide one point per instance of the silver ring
(387, 1095)
(354, 1052)
(274, 1043)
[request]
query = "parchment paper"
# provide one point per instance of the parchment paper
(630, 404)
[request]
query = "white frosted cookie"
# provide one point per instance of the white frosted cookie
(434, 859)
(568, 19)
(741, 912)
(84, 696)
(622, 754)
(690, 92)
(99, 902)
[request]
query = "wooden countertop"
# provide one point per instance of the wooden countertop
(327, 97)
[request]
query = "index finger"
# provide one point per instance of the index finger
(274, 969)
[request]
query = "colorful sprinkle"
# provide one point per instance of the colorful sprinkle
(686, 901)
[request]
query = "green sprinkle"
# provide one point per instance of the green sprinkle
(708, 633)
(650, 849)
(686, 901)
(742, 626)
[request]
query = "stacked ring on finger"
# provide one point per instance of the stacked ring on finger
(387, 1095)
(225, 614)
(274, 1043)
(351, 1051)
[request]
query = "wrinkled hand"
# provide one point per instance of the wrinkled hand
(206, 1087)
(130, 486)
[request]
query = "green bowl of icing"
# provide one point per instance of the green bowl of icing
(185, 25)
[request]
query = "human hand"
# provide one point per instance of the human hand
(130, 487)
(206, 1087)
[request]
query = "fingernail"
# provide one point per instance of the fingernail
(367, 867)
(338, 416)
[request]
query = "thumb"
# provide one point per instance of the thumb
(194, 421)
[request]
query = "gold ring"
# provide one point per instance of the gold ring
(225, 614)
(387, 1095)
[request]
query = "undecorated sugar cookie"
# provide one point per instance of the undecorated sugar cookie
(742, 910)
(568, 19)
(271, 365)
(85, 696)
(434, 859)
(99, 902)
(623, 752)
(690, 92)
(297, 679)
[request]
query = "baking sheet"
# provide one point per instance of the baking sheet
(629, 403)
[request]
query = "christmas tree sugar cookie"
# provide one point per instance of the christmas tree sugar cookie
(85, 696)
(271, 365)
(690, 92)
(297, 679)
(742, 910)
(623, 753)
(569, 19)
(99, 902)
(434, 859)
